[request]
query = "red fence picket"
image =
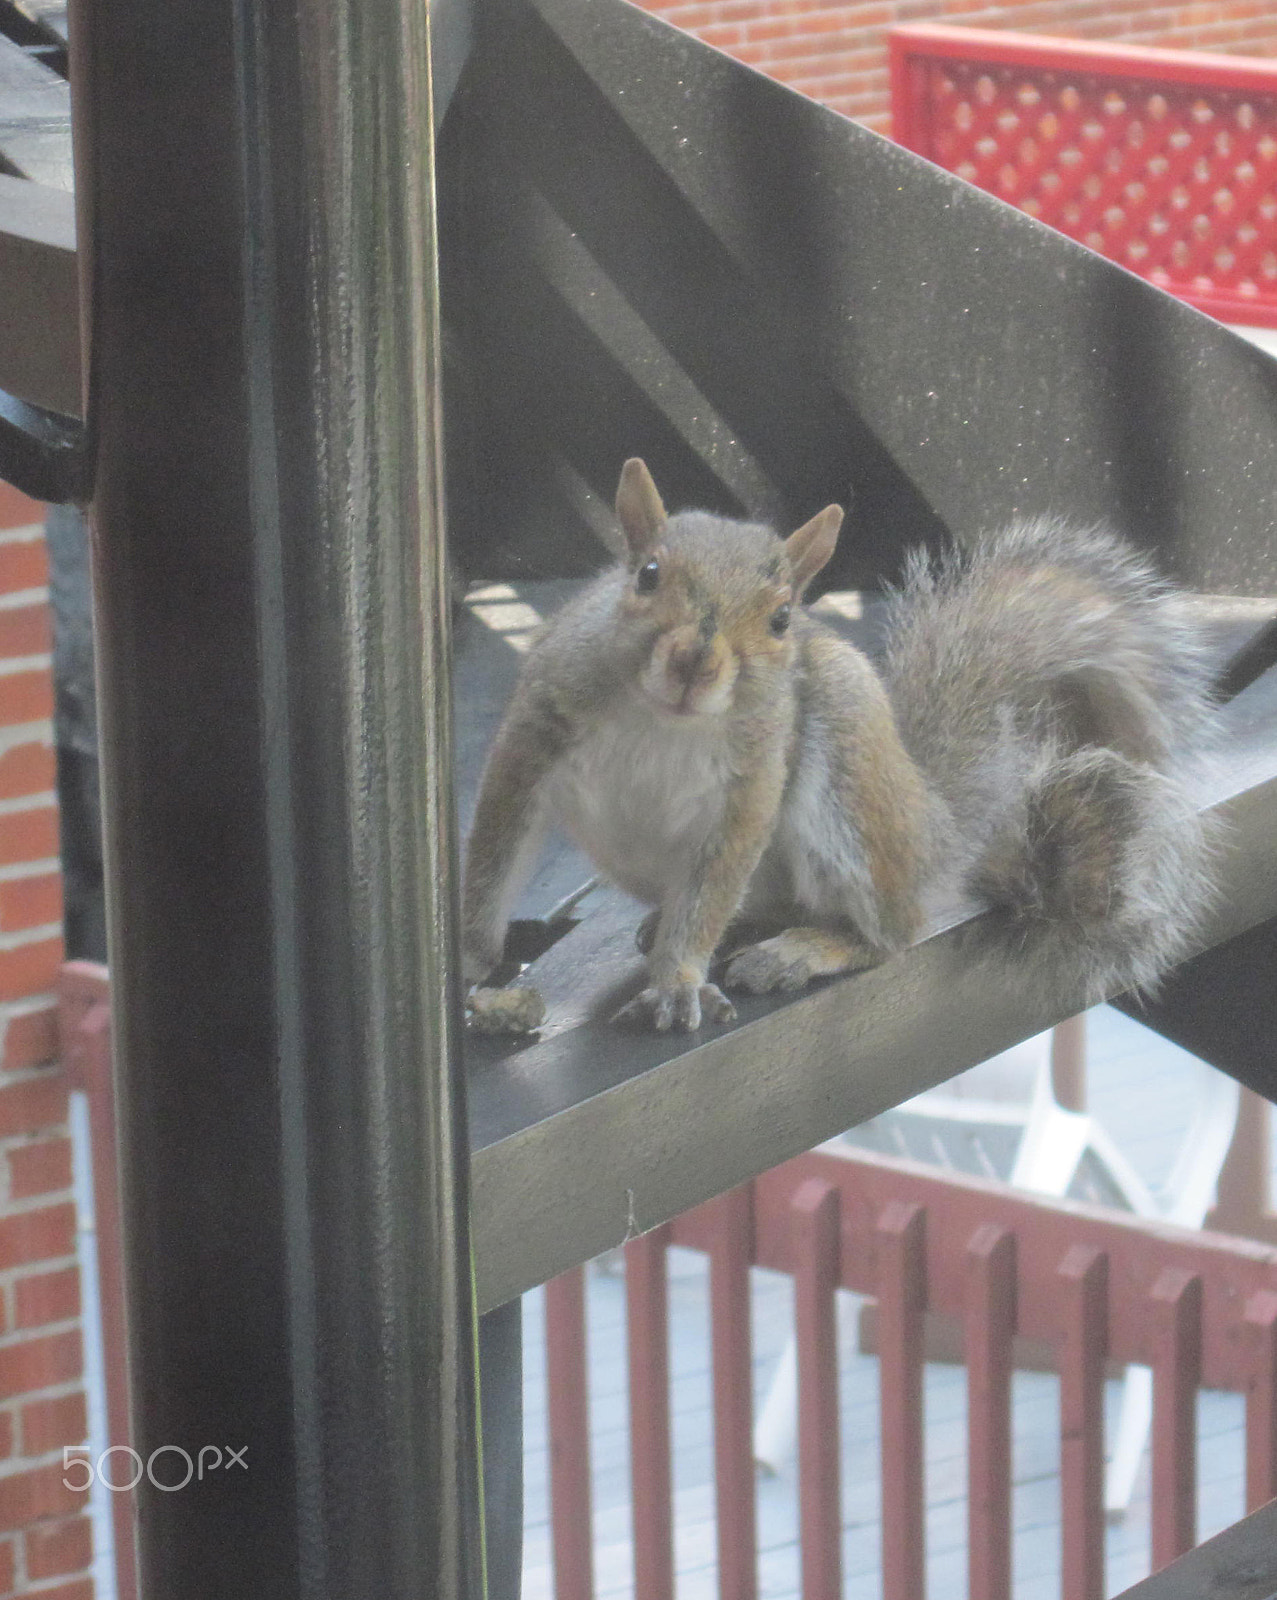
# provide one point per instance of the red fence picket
(1083, 1283)
(569, 1429)
(900, 1240)
(815, 1224)
(990, 1335)
(731, 1244)
(1177, 1341)
(1261, 1402)
(648, 1306)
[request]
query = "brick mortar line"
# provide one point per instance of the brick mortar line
(47, 1458)
(20, 599)
(15, 1403)
(55, 1391)
(22, 1204)
(44, 1069)
(33, 1139)
(26, 1004)
(25, 936)
(29, 1587)
(14, 734)
(30, 869)
(28, 802)
(42, 1264)
(37, 1202)
(40, 1329)
(11, 1276)
(24, 1335)
(37, 1074)
(37, 1589)
(41, 661)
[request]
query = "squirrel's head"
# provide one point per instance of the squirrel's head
(714, 596)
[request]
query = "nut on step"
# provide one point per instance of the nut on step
(504, 1010)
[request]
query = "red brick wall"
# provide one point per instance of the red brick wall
(45, 1544)
(835, 51)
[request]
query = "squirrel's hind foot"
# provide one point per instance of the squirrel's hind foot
(789, 961)
(677, 1007)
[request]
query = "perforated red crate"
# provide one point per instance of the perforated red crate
(1162, 160)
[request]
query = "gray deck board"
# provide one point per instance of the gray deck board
(1140, 1088)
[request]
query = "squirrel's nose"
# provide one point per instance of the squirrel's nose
(687, 659)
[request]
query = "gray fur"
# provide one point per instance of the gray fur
(1061, 737)
(1030, 739)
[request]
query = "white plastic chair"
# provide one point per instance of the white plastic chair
(1004, 1120)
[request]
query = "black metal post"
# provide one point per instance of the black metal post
(256, 226)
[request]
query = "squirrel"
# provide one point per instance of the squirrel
(792, 811)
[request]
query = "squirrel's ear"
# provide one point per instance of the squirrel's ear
(639, 509)
(812, 546)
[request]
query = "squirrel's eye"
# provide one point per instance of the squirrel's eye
(780, 620)
(648, 577)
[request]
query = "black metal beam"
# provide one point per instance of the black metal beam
(254, 186)
(39, 313)
(41, 452)
(771, 304)
(35, 117)
(1222, 1007)
(1238, 1564)
(32, 34)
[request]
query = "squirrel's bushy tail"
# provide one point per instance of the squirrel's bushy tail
(1057, 694)
(1103, 883)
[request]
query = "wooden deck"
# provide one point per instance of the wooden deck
(1140, 1088)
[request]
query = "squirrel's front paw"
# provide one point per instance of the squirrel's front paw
(504, 1010)
(679, 1006)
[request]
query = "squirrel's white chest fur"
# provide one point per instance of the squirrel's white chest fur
(641, 794)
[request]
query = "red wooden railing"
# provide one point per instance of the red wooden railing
(1096, 1288)
(1163, 160)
